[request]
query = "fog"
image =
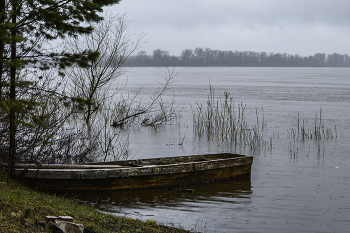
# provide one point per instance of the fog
(295, 27)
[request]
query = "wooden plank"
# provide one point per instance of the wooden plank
(78, 174)
(67, 166)
(141, 182)
(137, 174)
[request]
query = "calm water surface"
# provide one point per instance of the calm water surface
(295, 185)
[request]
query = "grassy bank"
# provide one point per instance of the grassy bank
(23, 209)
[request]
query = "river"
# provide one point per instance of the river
(296, 185)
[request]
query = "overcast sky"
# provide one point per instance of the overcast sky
(303, 27)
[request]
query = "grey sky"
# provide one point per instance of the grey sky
(301, 27)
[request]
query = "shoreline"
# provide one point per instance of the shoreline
(23, 209)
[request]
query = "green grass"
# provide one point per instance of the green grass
(22, 208)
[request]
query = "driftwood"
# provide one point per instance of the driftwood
(119, 123)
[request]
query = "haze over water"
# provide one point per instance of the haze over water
(295, 186)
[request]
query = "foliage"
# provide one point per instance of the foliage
(26, 27)
(70, 111)
(211, 57)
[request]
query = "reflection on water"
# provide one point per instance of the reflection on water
(170, 197)
(163, 204)
(296, 186)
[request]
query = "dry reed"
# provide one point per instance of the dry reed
(317, 131)
(220, 121)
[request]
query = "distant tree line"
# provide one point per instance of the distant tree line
(210, 57)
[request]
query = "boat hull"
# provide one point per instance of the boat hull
(139, 174)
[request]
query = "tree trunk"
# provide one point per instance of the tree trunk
(12, 151)
(2, 46)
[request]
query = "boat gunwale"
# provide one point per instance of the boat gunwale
(146, 170)
(188, 158)
(116, 164)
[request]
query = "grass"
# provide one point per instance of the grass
(221, 121)
(313, 130)
(22, 208)
(317, 130)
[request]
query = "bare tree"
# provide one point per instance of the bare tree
(53, 134)
(114, 44)
(74, 113)
(152, 112)
(98, 85)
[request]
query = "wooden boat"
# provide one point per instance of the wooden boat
(136, 174)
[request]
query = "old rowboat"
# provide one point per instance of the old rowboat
(136, 174)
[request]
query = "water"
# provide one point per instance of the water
(295, 185)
